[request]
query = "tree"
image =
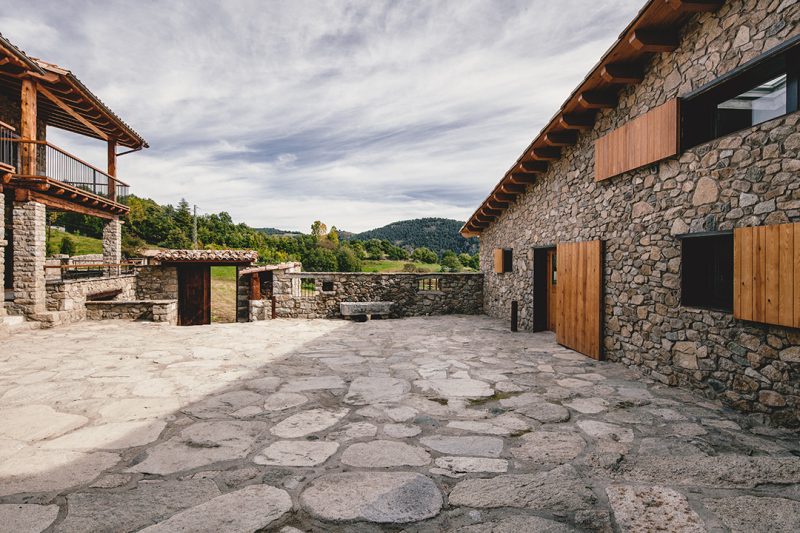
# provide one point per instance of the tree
(320, 260)
(346, 260)
(358, 249)
(333, 236)
(450, 262)
(374, 249)
(318, 230)
(396, 253)
(424, 255)
(469, 261)
(68, 246)
(176, 240)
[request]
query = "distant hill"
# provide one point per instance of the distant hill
(276, 231)
(438, 234)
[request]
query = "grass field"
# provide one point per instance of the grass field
(83, 245)
(388, 265)
(223, 294)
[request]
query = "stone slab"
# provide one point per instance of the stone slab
(113, 436)
(752, 513)
(307, 422)
(652, 508)
(549, 447)
(284, 400)
(470, 445)
(26, 518)
(384, 453)
(472, 464)
(296, 453)
(313, 383)
(37, 422)
(372, 390)
(37, 470)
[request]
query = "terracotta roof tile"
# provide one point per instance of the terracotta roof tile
(206, 256)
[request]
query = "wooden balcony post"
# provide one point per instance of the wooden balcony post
(27, 129)
(112, 169)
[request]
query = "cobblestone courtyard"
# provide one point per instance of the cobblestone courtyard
(424, 424)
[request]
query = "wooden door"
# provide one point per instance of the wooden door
(579, 297)
(194, 295)
(552, 300)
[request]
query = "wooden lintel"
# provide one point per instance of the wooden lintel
(622, 73)
(655, 41)
(577, 121)
(696, 6)
(71, 112)
(597, 100)
(539, 167)
(561, 138)
(552, 153)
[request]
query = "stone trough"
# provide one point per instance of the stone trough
(363, 311)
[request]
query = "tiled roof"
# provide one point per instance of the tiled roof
(206, 256)
(265, 268)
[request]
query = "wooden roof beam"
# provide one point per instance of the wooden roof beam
(549, 153)
(71, 112)
(597, 100)
(496, 204)
(561, 138)
(536, 167)
(654, 41)
(490, 212)
(503, 197)
(521, 178)
(577, 121)
(622, 73)
(481, 218)
(512, 188)
(696, 6)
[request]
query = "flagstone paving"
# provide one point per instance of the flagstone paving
(424, 424)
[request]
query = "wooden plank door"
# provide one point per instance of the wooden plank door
(552, 299)
(194, 295)
(579, 292)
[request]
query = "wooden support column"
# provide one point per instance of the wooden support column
(27, 128)
(112, 169)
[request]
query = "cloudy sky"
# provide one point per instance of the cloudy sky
(358, 113)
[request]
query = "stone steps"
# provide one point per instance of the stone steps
(12, 323)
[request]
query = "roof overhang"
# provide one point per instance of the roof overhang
(653, 30)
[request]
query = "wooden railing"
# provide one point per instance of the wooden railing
(61, 166)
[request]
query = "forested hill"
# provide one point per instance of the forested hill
(438, 234)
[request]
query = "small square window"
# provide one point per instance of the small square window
(327, 286)
(308, 287)
(428, 284)
(707, 271)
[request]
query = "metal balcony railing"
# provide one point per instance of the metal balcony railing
(60, 165)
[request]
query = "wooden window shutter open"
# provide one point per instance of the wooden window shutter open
(498, 260)
(766, 274)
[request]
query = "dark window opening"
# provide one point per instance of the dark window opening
(760, 90)
(707, 271)
(507, 260)
(428, 284)
(327, 286)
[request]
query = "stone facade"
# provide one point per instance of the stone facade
(747, 178)
(157, 283)
(153, 310)
(29, 257)
(3, 245)
(112, 243)
(458, 293)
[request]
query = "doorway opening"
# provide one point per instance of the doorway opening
(545, 280)
(223, 294)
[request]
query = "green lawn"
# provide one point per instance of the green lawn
(83, 245)
(388, 265)
(223, 294)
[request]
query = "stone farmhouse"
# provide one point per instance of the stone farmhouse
(655, 220)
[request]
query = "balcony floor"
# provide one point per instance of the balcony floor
(442, 423)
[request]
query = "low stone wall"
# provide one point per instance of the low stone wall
(153, 310)
(460, 293)
(71, 294)
(157, 283)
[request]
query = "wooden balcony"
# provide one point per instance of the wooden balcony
(44, 172)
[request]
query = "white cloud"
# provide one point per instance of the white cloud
(355, 112)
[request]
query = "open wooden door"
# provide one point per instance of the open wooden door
(579, 297)
(194, 295)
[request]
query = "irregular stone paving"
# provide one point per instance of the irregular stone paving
(424, 424)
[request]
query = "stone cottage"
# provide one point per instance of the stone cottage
(655, 220)
(36, 175)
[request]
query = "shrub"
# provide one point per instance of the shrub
(68, 246)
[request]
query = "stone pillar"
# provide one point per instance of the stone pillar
(3, 245)
(30, 236)
(112, 244)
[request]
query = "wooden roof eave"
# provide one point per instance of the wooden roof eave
(662, 15)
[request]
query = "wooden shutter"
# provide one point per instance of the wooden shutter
(498, 260)
(642, 141)
(766, 272)
(579, 293)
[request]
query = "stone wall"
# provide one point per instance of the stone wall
(112, 243)
(29, 257)
(3, 244)
(745, 179)
(71, 294)
(157, 283)
(458, 294)
(154, 310)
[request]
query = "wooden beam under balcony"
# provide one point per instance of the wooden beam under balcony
(561, 138)
(547, 153)
(597, 100)
(577, 121)
(654, 41)
(622, 73)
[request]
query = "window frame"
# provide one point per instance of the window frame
(715, 304)
(429, 284)
(698, 115)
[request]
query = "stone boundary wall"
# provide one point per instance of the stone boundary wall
(460, 293)
(747, 178)
(71, 294)
(153, 310)
(157, 283)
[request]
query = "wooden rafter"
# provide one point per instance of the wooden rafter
(654, 41)
(622, 73)
(597, 100)
(577, 121)
(71, 112)
(548, 153)
(561, 138)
